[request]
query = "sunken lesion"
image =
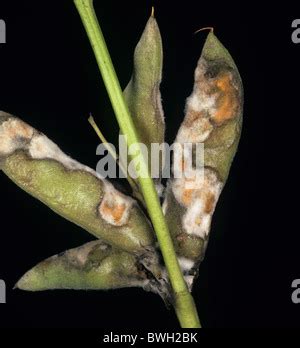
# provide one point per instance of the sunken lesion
(228, 103)
(221, 80)
(216, 98)
(112, 211)
(115, 207)
(186, 189)
(89, 254)
(210, 201)
(198, 196)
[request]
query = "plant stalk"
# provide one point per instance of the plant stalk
(184, 303)
(114, 155)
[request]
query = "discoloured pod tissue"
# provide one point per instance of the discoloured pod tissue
(213, 116)
(142, 93)
(94, 266)
(71, 189)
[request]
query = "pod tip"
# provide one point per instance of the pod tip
(152, 11)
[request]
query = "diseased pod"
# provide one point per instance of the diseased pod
(213, 116)
(95, 265)
(80, 195)
(125, 253)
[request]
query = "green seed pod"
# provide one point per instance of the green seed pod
(142, 94)
(71, 189)
(213, 117)
(93, 266)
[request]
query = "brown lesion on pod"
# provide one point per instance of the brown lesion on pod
(228, 103)
(218, 91)
(115, 207)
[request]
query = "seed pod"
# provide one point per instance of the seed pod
(71, 189)
(93, 266)
(213, 116)
(142, 94)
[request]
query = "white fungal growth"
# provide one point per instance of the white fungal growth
(202, 184)
(201, 129)
(16, 134)
(189, 281)
(115, 207)
(12, 132)
(42, 147)
(200, 106)
(195, 221)
(185, 264)
(198, 190)
(200, 101)
(199, 196)
(201, 67)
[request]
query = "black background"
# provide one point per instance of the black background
(49, 78)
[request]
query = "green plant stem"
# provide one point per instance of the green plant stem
(184, 303)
